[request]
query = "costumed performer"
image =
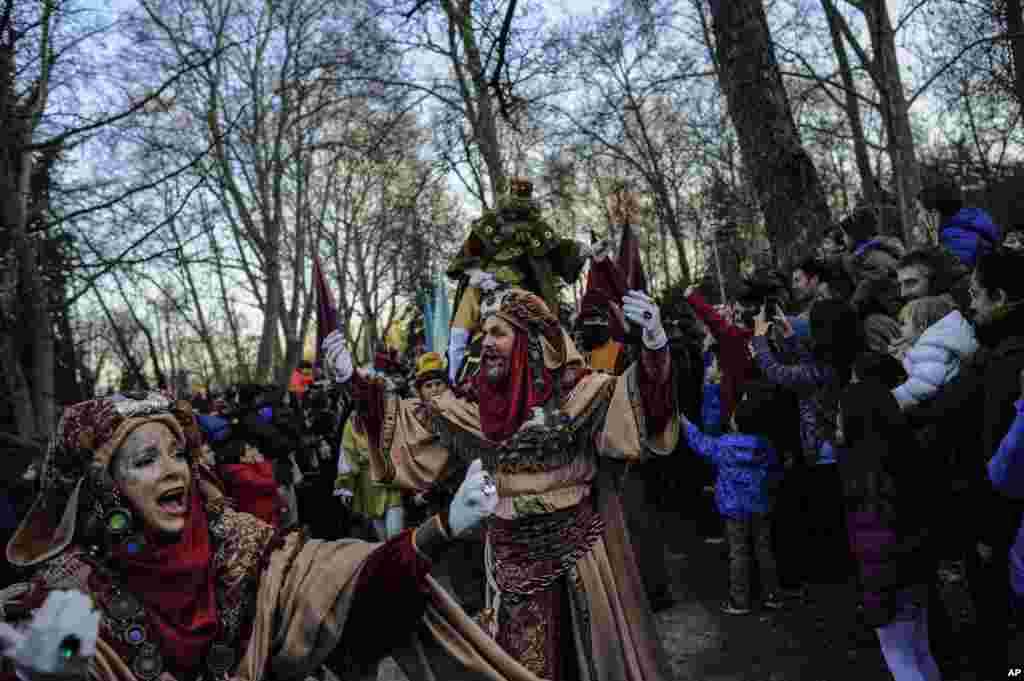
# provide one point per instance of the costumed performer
(185, 587)
(357, 484)
(512, 246)
(564, 597)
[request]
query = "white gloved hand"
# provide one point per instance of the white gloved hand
(475, 500)
(337, 359)
(60, 640)
(639, 309)
(485, 281)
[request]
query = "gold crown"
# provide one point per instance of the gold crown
(429, 362)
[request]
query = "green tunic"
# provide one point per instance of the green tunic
(368, 498)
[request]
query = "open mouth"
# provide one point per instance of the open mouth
(173, 501)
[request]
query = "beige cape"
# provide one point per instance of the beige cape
(623, 639)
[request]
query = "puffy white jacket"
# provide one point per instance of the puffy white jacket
(935, 358)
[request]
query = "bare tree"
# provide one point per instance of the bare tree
(787, 184)
(633, 83)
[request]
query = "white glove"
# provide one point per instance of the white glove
(639, 309)
(485, 281)
(475, 500)
(337, 359)
(60, 640)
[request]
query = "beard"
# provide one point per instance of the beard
(495, 368)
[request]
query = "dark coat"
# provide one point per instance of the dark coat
(965, 422)
(872, 266)
(1002, 388)
(888, 509)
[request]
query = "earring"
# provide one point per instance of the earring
(119, 526)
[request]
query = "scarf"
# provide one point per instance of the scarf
(253, 487)
(504, 407)
(175, 582)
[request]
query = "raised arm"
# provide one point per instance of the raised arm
(716, 323)
(802, 376)
(705, 445)
(656, 393)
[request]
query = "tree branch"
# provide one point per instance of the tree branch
(133, 109)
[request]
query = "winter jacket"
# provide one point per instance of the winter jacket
(970, 234)
(815, 384)
(872, 266)
(889, 511)
(935, 358)
(733, 354)
(1006, 471)
(749, 471)
(1006, 468)
(1002, 389)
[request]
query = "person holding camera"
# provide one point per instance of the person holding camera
(822, 368)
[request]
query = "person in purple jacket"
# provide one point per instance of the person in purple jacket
(1006, 471)
(822, 368)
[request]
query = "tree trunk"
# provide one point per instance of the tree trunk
(203, 327)
(271, 311)
(788, 188)
(895, 113)
(134, 370)
(36, 317)
(480, 108)
(853, 115)
(154, 356)
(241, 373)
(16, 386)
(668, 219)
(1015, 27)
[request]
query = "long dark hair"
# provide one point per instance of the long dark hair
(877, 437)
(836, 336)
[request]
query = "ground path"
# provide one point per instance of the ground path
(819, 640)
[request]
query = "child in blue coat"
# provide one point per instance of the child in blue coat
(749, 472)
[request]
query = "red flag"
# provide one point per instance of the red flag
(629, 261)
(326, 313)
(605, 287)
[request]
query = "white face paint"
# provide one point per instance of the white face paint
(151, 469)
